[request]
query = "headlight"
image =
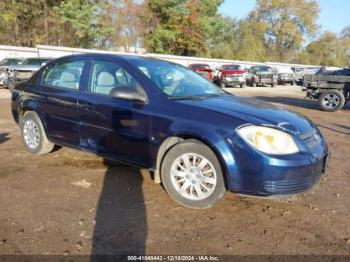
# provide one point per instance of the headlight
(268, 140)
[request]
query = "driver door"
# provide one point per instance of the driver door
(113, 127)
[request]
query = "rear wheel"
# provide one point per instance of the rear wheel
(33, 134)
(192, 175)
(331, 101)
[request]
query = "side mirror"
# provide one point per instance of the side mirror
(128, 93)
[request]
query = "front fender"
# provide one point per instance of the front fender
(218, 140)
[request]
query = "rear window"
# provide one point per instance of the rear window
(196, 66)
(33, 61)
(64, 74)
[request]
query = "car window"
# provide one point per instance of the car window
(105, 76)
(65, 74)
(232, 67)
(175, 80)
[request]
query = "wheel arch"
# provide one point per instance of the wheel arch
(174, 139)
(33, 106)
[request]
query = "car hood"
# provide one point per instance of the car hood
(24, 67)
(241, 72)
(254, 111)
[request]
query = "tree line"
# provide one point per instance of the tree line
(276, 30)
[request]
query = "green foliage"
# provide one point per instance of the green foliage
(328, 50)
(84, 18)
(287, 23)
(276, 30)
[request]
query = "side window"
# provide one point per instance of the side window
(106, 76)
(65, 74)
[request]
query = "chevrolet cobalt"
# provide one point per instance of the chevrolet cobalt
(198, 140)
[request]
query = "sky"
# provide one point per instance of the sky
(334, 14)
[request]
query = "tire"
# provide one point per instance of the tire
(273, 85)
(222, 85)
(36, 141)
(331, 101)
(194, 195)
(241, 85)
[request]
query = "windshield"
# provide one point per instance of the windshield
(232, 67)
(175, 80)
(10, 61)
(33, 61)
(263, 69)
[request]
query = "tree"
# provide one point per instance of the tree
(83, 17)
(250, 41)
(183, 27)
(287, 24)
(346, 32)
(328, 50)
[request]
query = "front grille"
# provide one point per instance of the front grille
(291, 186)
(266, 76)
(286, 75)
(311, 138)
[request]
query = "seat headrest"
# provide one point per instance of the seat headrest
(105, 79)
(68, 77)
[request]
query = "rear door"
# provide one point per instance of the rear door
(59, 92)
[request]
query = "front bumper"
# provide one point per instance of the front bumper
(234, 80)
(266, 81)
(285, 80)
(258, 174)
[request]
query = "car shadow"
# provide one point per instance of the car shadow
(4, 137)
(337, 130)
(120, 221)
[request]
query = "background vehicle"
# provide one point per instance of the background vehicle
(3, 71)
(23, 71)
(261, 76)
(300, 72)
(285, 75)
(332, 89)
(231, 75)
(202, 69)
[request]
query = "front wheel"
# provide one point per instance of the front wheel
(331, 101)
(192, 175)
(33, 134)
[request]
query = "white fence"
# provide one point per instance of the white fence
(56, 51)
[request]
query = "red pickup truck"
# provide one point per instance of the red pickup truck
(202, 69)
(231, 75)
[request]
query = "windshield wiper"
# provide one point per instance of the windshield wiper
(185, 97)
(194, 97)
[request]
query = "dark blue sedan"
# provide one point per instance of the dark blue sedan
(198, 140)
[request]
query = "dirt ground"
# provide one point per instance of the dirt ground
(70, 202)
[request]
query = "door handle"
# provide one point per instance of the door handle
(87, 107)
